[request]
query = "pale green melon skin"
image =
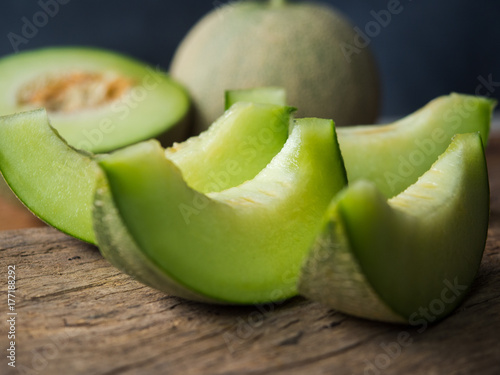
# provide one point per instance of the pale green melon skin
(297, 46)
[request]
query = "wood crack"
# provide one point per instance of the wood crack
(290, 324)
(292, 340)
(304, 362)
(481, 302)
(120, 292)
(66, 291)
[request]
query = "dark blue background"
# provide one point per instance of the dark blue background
(429, 49)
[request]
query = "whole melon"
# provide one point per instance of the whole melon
(307, 48)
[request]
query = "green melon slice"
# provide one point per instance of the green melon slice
(242, 245)
(56, 182)
(235, 148)
(394, 156)
(409, 259)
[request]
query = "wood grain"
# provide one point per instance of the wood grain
(79, 315)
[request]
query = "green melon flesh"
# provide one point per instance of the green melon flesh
(151, 105)
(242, 245)
(270, 95)
(394, 156)
(56, 182)
(411, 258)
(235, 148)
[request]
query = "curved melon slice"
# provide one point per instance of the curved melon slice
(243, 245)
(235, 148)
(394, 156)
(56, 182)
(409, 259)
(97, 100)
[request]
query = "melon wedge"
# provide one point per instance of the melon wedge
(243, 245)
(393, 156)
(235, 148)
(410, 259)
(56, 182)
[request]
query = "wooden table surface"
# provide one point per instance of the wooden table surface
(76, 314)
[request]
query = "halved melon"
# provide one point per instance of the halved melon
(96, 99)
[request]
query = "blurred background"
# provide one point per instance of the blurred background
(428, 49)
